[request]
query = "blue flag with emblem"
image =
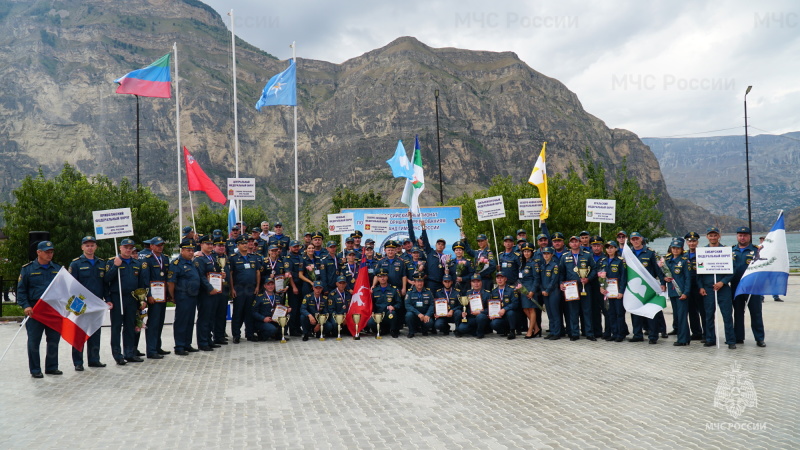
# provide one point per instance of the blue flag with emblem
(281, 89)
(400, 164)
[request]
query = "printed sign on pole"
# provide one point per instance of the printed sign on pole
(603, 211)
(529, 208)
(376, 223)
(490, 208)
(341, 224)
(714, 260)
(242, 188)
(113, 223)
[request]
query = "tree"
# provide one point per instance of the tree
(63, 206)
(208, 219)
(346, 198)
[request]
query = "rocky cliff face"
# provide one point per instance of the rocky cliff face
(59, 60)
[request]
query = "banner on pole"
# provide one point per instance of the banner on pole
(340, 224)
(376, 224)
(529, 208)
(112, 223)
(490, 208)
(599, 210)
(242, 188)
(714, 260)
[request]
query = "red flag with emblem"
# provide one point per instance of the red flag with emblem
(199, 181)
(361, 302)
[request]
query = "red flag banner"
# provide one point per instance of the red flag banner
(199, 181)
(361, 302)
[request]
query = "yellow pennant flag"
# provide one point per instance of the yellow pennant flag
(538, 178)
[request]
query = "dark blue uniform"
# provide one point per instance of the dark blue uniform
(382, 298)
(679, 266)
(509, 301)
(487, 272)
(647, 257)
(332, 267)
(510, 265)
(478, 323)
(615, 269)
(89, 273)
(314, 305)
(435, 263)
(442, 323)
(530, 280)
(128, 273)
(419, 302)
(187, 284)
(244, 271)
(550, 282)
(697, 311)
(263, 308)
(742, 257)
(568, 266)
(281, 241)
(724, 298)
(34, 279)
(220, 310)
(296, 266)
(206, 302)
(154, 269)
(396, 268)
(465, 272)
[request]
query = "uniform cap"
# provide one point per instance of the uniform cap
(156, 240)
(44, 246)
(294, 243)
(187, 230)
(612, 244)
(541, 236)
(508, 237)
(458, 244)
(558, 236)
(636, 234)
(269, 280)
(308, 233)
(676, 243)
(205, 238)
(316, 235)
(255, 230)
(278, 224)
(357, 233)
(382, 272)
(88, 239)
(441, 240)
(219, 240)
(622, 232)
(418, 276)
(691, 236)
(521, 231)
(391, 244)
(369, 241)
(341, 279)
(317, 284)
(185, 243)
(241, 239)
(128, 241)
(332, 244)
(350, 239)
(273, 247)
(712, 230)
(744, 230)
(596, 240)
(548, 250)
(481, 237)
(476, 277)
(415, 249)
(447, 278)
(574, 237)
(584, 233)
(527, 246)
(500, 274)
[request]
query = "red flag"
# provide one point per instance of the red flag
(199, 181)
(361, 302)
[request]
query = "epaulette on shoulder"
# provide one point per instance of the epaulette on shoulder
(76, 258)
(175, 262)
(28, 264)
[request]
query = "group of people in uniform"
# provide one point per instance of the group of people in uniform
(415, 285)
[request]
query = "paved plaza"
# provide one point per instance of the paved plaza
(427, 392)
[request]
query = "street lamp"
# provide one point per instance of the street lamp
(747, 159)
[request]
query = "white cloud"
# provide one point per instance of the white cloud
(657, 68)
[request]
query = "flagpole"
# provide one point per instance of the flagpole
(138, 184)
(494, 234)
(235, 115)
(119, 278)
(296, 180)
(716, 302)
(15, 337)
(178, 138)
(191, 206)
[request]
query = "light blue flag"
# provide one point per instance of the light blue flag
(281, 89)
(400, 164)
(231, 215)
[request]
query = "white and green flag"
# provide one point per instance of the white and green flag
(414, 186)
(643, 295)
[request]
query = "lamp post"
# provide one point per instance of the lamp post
(439, 148)
(747, 159)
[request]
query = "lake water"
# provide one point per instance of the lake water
(660, 245)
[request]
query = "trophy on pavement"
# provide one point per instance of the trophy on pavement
(339, 318)
(378, 318)
(356, 320)
(282, 322)
(464, 300)
(321, 319)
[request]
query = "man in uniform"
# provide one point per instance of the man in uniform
(647, 257)
(316, 239)
(419, 307)
(315, 303)
(183, 282)
(154, 276)
(123, 312)
(34, 278)
(715, 287)
(231, 245)
(436, 260)
(207, 268)
(598, 311)
(89, 271)
(558, 245)
(407, 246)
(332, 266)
(295, 260)
(340, 298)
(697, 312)
(477, 320)
(357, 235)
(220, 312)
(245, 276)
(279, 239)
(522, 238)
(386, 299)
(486, 271)
(395, 268)
(263, 309)
(569, 266)
(450, 295)
(743, 254)
(509, 306)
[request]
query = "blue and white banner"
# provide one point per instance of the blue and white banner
(440, 223)
(768, 274)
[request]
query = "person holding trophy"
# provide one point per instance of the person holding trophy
(386, 300)
(679, 281)
(576, 268)
(477, 319)
(446, 306)
(612, 276)
(529, 280)
(220, 312)
(264, 307)
(312, 306)
(211, 280)
(419, 307)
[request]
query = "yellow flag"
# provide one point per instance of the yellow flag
(538, 178)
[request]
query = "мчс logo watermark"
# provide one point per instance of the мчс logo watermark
(736, 393)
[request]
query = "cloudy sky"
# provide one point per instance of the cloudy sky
(657, 68)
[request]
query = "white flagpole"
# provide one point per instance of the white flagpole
(15, 337)
(716, 308)
(494, 234)
(601, 229)
(191, 206)
(119, 278)
(296, 189)
(178, 138)
(235, 115)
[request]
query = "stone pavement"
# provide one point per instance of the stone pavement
(427, 392)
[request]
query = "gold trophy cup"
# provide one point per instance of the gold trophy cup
(464, 300)
(321, 319)
(460, 223)
(282, 322)
(356, 320)
(339, 318)
(141, 306)
(583, 273)
(378, 318)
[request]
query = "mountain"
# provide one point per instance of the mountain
(59, 59)
(774, 160)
